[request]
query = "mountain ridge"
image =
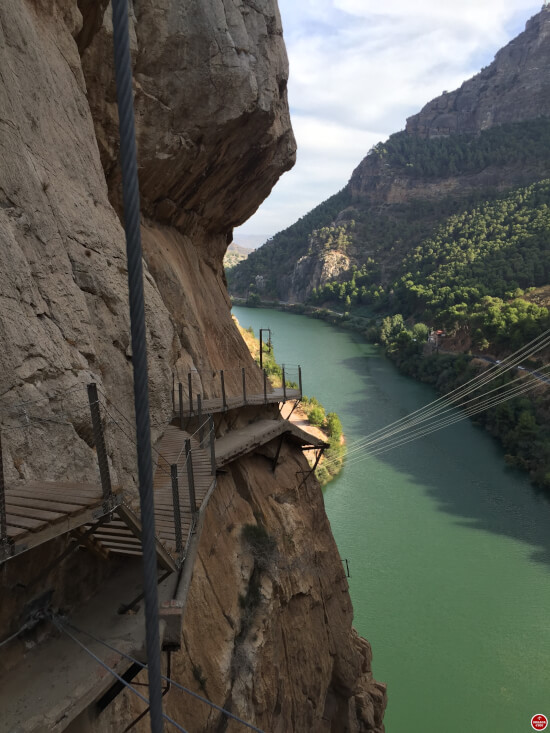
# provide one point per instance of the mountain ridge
(452, 154)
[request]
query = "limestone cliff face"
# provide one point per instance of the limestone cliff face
(513, 88)
(213, 135)
(284, 657)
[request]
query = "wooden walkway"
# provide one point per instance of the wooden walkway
(123, 536)
(40, 511)
(217, 404)
(238, 443)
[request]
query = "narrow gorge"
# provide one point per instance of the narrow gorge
(214, 135)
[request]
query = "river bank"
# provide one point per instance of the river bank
(519, 425)
(310, 415)
(448, 547)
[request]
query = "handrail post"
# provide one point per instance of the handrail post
(177, 507)
(3, 520)
(284, 385)
(190, 476)
(300, 379)
(244, 385)
(180, 389)
(199, 408)
(265, 387)
(190, 386)
(99, 441)
(173, 392)
(223, 390)
(212, 446)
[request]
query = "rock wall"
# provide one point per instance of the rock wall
(512, 88)
(213, 136)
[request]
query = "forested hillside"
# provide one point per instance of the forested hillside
(443, 215)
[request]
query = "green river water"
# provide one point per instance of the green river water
(449, 549)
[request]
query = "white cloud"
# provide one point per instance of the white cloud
(359, 68)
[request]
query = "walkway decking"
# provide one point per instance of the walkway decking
(217, 404)
(39, 511)
(239, 442)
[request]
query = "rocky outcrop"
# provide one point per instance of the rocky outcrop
(228, 65)
(314, 270)
(513, 88)
(268, 629)
(213, 135)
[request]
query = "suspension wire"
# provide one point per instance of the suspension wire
(166, 679)
(62, 628)
(365, 443)
(445, 423)
(108, 401)
(28, 625)
(129, 437)
(131, 203)
(506, 364)
(449, 420)
(475, 383)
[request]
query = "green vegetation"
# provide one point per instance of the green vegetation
(466, 263)
(331, 425)
(265, 268)
(263, 549)
(513, 144)
(471, 273)
(235, 254)
(521, 424)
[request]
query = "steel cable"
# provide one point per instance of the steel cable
(62, 628)
(427, 411)
(131, 203)
(166, 679)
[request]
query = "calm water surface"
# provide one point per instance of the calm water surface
(449, 550)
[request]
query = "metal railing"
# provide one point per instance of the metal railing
(202, 391)
(76, 409)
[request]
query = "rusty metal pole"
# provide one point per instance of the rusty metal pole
(190, 387)
(199, 408)
(261, 351)
(212, 446)
(265, 387)
(223, 390)
(3, 520)
(177, 507)
(190, 476)
(244, 385)
(99, 441)
(284, 385)
(300, 379)
(180, 389)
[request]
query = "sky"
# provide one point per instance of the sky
(358, 69)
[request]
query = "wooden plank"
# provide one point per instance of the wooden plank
(15, 531)
(128, 552)
(115, 531)
(15, 521)
(118, 546)
(25, 511)
(132, 522)
(77, 501)
(54, 506)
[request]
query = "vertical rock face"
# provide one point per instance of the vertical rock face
(213, 136)
(514, 87)
(223, 62)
